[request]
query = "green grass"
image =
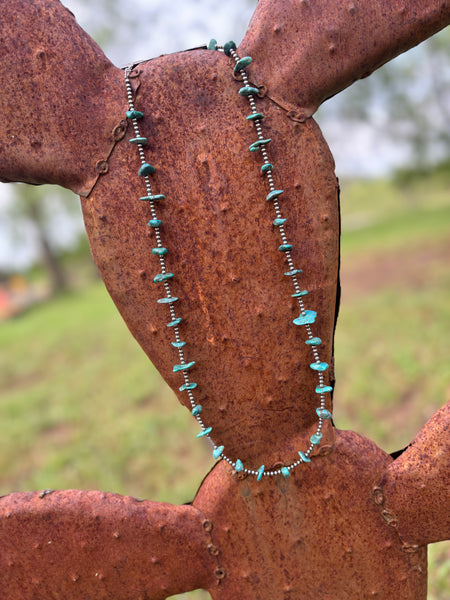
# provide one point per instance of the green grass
(82, 407)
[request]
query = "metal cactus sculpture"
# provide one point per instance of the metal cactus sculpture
(224, 264)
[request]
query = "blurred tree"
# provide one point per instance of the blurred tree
(34, 209)
(407, 101)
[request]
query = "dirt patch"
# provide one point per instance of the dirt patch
(403, 268)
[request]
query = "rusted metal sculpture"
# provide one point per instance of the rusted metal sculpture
(352, 523)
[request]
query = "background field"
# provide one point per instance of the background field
(81, 406)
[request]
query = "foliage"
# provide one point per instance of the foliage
(407, 100)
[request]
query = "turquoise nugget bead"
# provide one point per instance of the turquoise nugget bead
(266, 167)
(218, 451)
(228, 47)
(205, 432)
(248, 90)
(166, 300)
(300, 294)
(146, 169)
(260, 473)
(175, 322)
(212, 44)
(306, 318)
(187, 386)
(285, 472)
(323, 413)
(285, 247)
(278, 222)
(153, 198)
(242, 63)
(257, 145)
(315, 341)
(238, 466)
(159, 251)
(184, 367)
(316, 438)
(274, 194)
(319, 366)
(139, 141)
(197, 410)
(134, 114)
(304, 458)
(255, 117)
(293, 272)
(154, 223)
(323, 389)
(162, 277)
(178, 344)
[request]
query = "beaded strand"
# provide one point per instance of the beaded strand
(306, 317)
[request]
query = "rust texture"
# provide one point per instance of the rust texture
(351, 524)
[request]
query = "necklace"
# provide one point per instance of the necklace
(306, 317)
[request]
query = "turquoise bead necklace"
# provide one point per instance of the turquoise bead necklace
(306, 317)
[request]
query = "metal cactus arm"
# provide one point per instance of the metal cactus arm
(61, 99)
(77, 545)
(314, 49)
(414, 492)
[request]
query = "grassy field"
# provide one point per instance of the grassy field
(82, 407)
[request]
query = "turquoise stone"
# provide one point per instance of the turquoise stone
(306, 318)
(319, 366)
(162, 277)
(238, 466)
(278, 222)
(134, 114)
(285, 472)
(175, 322)
(159, 251)
(187, 386)
(300, 294)
(139, 141)
(323, 413)
(197, 410)
(323, 389)
(274, 194)
(285, 247)
(178, 344)
(257, 145)
(316, 438)
(153, 198)
(212, 44)
(228, 47)
(167, 300)
(293, 272)
(154, 223)
(255, 117)
(304, 458)
(183, 367)
(218, 451)
(260, 473)
(146, 169)
(242, 63)
(315, 341)
(206, 431)
(266, 167)
(248, 90)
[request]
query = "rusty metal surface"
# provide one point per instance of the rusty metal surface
(321, 47)
(85, 545)
(321, 533)
(61, 99)
(414, 492)
(315, 535)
